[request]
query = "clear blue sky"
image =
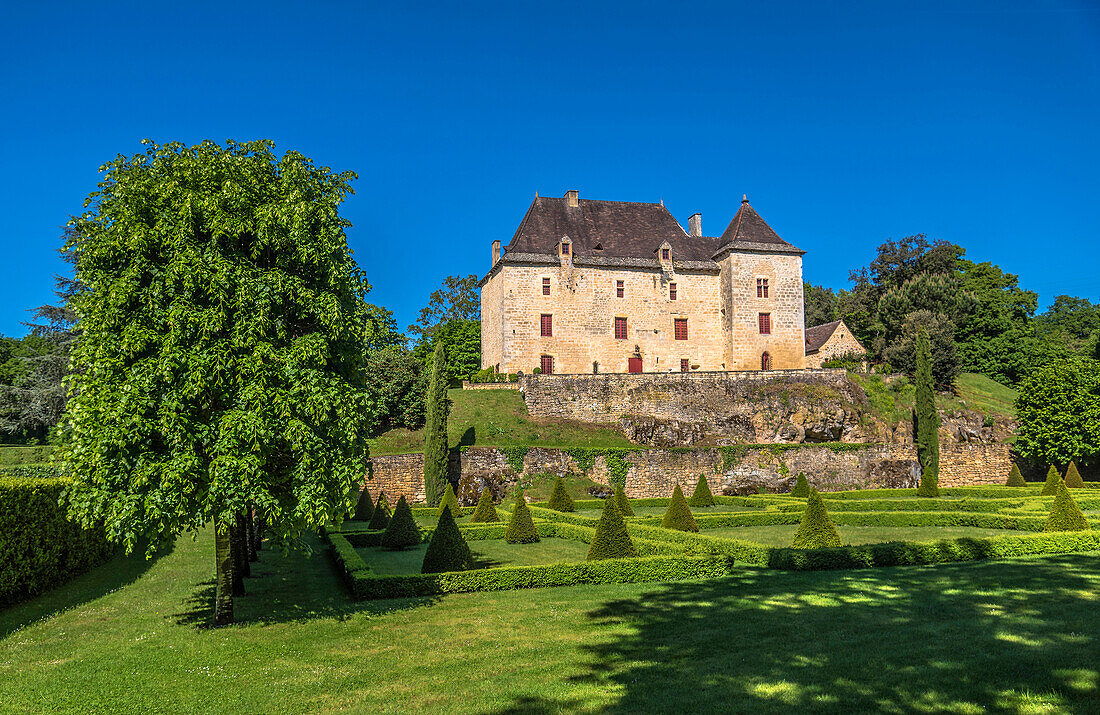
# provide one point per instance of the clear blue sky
(846, 124)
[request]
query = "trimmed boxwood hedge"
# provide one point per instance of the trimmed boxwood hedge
(364, 507)
(702, 496)
(1064, 513)
(1015, 479)
(486, 511)
(39, 547)
(816, 530)
(380, 519)
(1050, 486)
(560, 500)
(1073, 477)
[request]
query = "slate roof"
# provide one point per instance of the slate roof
(819, 335)
(748, 227)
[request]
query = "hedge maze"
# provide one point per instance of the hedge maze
(667, 552)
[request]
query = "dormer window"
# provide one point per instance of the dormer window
(666, 254)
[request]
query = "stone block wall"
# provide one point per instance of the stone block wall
(655, 472)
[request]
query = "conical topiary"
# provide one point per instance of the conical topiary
(485, 512)
(521, 527)
(701, 496)
(447, 551)
(801, 488)
(1053, 479)
(449, 500)
(623, 503)
(559, 497)
(401, 532)
(611, 540)
(380, 519)
(1073, 477)
(1015, 479)
(816, 530)
(1065, 515)
(678, 514)
(364, 507)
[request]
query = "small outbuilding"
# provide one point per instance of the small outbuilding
(828, 341)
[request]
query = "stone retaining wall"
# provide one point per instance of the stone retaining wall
(467, 385)
(740, 470)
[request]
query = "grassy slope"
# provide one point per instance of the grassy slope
(894, 403)
(499, 417)
(1005, 636)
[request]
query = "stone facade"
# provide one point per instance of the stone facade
(840, 342)
(655, 472)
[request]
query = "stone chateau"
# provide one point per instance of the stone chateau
(590, 286)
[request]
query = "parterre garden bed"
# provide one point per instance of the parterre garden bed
(878, 528)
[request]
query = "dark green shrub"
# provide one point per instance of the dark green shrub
(1053, 480)
(449, 500)
(927, 419)
(1065, 515)
(381, 517)
(801, 488)
(678, 514)
(1073, 477)
(559, 497)
(702, 495)
(611, 541)
(401, 532)
(39, 547)
(622, 502)
(521, 527)
(437, 407)
(447, 551)
(1015, 479)
(364, 507)
(486, 511)
(816, 530)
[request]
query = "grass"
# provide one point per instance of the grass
(24, 455)
(696, 510)
(130, 637)
(487, 554)
(893, 403)
(982, 394)
(499, 418)
(783, 535)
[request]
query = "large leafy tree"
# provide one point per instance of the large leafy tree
(461, 340)
(1058, 409)
(222, 340)
(459, 298)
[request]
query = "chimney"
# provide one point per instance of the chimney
(695, 225)
(572, 199)
(496, 253)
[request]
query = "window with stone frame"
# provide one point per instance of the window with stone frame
(547, 325)
(546, 286)
(620, 289)
(565, 248)
(620, 328)
(761, 287)
(672, 291)
(666, 254)
(681, 328)
(546, 362)
(765, 323)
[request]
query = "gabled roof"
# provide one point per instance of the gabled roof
(747, 227)
(620, 229)
(819, 335)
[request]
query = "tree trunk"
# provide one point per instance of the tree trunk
(240, 558)
(250, 530)
(224, 580)
(259, 532)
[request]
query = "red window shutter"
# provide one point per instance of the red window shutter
(759, 288)
(547, 364)
(765, 287)
(765, 323)
(672, 291)
(546, 286)
(547, 325)
(620, 328)
(683, 365)
(619, 289)
(681, 328)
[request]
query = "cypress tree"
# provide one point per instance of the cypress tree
(1065, 515)
(622, 502)
(1015, 479)
(801, 488)
(816, 530)
(1073, 477)
(364, 507)
(1053, 479)
(701, 496)
(611, 540)
(927, 421)
(447, 551)
(437, 407)
(485, 512)
(678, 515)
(451, 501)
(381, 517)
(402, 531)
(521, 527)
(559, 497)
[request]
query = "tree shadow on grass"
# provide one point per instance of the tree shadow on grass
(995, 636)
(290, 588)
(106, 578)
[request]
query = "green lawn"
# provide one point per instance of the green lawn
(894, 403)
(696, 510)
(783, 535)
(497, 418)
(130, 637)
(487, 554)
